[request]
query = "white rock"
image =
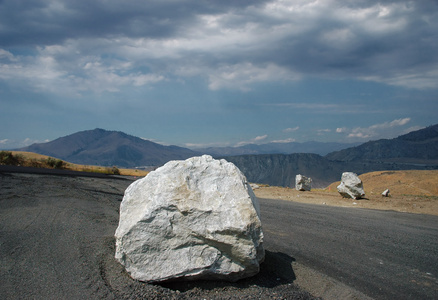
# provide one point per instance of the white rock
(303, 183)
(351, 186)
(385, 193)
(254, 186)
(192, 219)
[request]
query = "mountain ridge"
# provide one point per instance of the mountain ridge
(109, 148)
(420, 146)
(415, 150)
(321, 148)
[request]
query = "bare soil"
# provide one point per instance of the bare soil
(411, 191)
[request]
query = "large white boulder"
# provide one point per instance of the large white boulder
(192, 219)
(351, 186)
(303, 183)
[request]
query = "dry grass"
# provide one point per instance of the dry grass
(410, 182)
(31, 159)
(30, 155)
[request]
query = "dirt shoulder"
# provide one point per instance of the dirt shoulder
(421, 204)
(412, 191)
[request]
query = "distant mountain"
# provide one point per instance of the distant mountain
(419, 147)
(415, 150)
(278, 148)
(110, 148)
(281, 169)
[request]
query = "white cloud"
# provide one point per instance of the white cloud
(155, 141)
(381, 130)
(416, 77)
(241, 76)
(252, 141)
(289, 140)
(196, 145)
(293, 129)
(261, 137)
(49, 71)
(398, 122)
(357, 133)
(413, 128)
(322, 131)
(6, 55)
(206, 145)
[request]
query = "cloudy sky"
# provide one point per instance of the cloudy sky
(218, 73)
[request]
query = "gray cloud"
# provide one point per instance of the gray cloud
(42, 22)
(107, 45)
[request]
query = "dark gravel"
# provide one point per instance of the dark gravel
(56, 242)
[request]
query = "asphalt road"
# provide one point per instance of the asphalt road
(56, 242)
(383, 254)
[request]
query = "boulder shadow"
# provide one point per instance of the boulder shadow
(274, 271)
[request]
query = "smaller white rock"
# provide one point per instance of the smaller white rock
(351, 186)
(254, 186)
(303, 183)
(385, 193)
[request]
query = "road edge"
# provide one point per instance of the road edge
(321, 285)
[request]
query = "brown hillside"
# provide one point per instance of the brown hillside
(410, 191)
(30, 155)
(411, 182)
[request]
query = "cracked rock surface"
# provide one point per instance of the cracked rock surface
(192, 219)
